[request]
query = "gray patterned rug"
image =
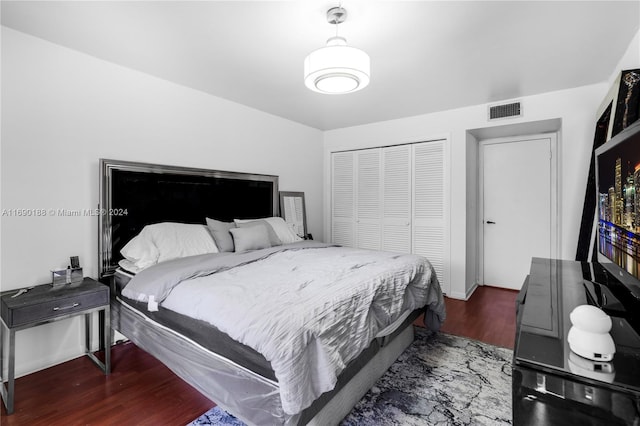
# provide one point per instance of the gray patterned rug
(439, 380)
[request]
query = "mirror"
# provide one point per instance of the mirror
(292, 210)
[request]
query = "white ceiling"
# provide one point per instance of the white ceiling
(426, 56)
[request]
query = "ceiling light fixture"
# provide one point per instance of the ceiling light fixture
(336, 68)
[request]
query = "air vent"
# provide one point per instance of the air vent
(497, 112)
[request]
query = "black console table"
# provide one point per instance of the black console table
(551, 384)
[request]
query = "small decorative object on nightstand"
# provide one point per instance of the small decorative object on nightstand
(66, 276)
(32, 306)
(70, 275)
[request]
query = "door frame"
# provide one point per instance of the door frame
(555, 193)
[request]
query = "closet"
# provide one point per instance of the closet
(393, 199)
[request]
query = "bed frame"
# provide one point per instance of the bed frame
(133, 195)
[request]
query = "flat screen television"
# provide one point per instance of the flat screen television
(618, 184)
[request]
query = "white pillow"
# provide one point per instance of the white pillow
(175, 240)
(282, 230)
(141, 251)
(129, 266)
(168, 240)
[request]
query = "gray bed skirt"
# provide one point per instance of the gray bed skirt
(247, 395)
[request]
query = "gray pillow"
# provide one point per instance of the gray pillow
(250, 238)
(220, 232)
(273, 237)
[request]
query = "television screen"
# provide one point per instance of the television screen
(618, 174)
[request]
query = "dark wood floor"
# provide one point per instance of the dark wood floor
(489, 316)
(142, 391)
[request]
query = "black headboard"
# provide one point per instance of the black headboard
(133, 195)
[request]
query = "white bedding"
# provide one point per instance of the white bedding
(311, 311)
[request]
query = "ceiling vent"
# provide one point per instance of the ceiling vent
(510, 110)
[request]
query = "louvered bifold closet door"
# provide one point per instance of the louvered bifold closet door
(368, 195)
(396, 198)
(428, 204)
(343, 199)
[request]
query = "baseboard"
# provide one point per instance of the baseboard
(471, 290)
(464, 296)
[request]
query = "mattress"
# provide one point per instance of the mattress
(214, 340)
(198, 331)
(222, 379)
(241, 379)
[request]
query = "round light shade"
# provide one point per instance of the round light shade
(336, 68)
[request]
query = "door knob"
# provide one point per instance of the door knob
(491, 222)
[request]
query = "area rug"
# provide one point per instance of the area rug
(439, 380)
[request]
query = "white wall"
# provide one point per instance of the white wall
(472, 205)
(576, 108)
(630, 59)
(63, 110)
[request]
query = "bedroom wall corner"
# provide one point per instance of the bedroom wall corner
(629, 60)
(471, 253)
(63, 110)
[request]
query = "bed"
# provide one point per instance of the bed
(289, 333)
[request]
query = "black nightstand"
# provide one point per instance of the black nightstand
(44, 304)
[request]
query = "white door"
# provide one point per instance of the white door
(428, 210)
(368, 209)
(396, 199)
(342, 199)
(518, 197)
